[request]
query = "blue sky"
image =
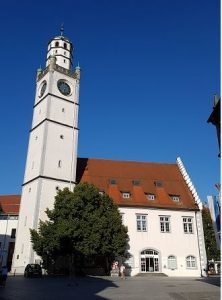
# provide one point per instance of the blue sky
(149, 73)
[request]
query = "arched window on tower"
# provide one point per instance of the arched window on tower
(57, 44)
(65, 45)
(59, 164)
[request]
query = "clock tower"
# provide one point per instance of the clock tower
(52, 150)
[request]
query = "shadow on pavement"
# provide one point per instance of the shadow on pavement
(214, 280)
(47, 288)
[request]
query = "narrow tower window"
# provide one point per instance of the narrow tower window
(63, 109)
(65, 45)
(59, 164)
(57, 44)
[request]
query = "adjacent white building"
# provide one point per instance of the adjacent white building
(161, 209)
(9, 211)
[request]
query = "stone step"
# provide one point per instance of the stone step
(151, 274)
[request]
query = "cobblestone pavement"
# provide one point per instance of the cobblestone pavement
(133, 288)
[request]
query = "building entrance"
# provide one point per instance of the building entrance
(149, 261)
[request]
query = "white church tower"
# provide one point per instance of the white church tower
(52, 150)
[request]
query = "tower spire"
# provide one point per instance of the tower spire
(62, 29)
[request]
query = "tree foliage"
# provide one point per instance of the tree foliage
(209, 236)
(82, 222)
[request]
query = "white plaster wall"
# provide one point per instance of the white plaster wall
(26, 220)
(57, 114)
(58, 149)
(48, 193)
(175, 243)
(34, 155)
(40, 113)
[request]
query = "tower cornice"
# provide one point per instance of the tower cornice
(69, 73)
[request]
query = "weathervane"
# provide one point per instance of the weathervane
(62, 29)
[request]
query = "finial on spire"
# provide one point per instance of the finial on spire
(62, 29)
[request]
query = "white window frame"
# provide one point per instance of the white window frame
(141, 222)
(188, 225)
(172, 262)
(125, 195)
(150, 196)
(191, 262)
(165, 224)
(175, 198)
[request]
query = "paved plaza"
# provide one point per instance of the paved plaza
(133, 288)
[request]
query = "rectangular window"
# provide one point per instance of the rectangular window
(141, 222)
(188, 224)
(126, 195)
(136, 182)
(175, 198)
(150, 196)
(13, 232)
(191, 262)
(164, 223)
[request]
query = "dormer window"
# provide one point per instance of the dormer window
(125, 195)
(158, 183)
(136, 182)
(150, 196)
(112, 181)
(175, 198)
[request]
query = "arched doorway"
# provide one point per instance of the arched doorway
(149, 261)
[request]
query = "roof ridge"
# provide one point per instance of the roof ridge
(128, 161)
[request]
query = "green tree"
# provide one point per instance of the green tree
(83, 222)
(209, 236)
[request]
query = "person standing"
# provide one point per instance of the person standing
(122, 271)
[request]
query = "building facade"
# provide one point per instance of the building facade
(161, 209)
(9, 212)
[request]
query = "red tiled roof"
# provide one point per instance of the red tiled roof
(10, 204)
(100, 171)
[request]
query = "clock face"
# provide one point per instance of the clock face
(42, 88)
(63, 87)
